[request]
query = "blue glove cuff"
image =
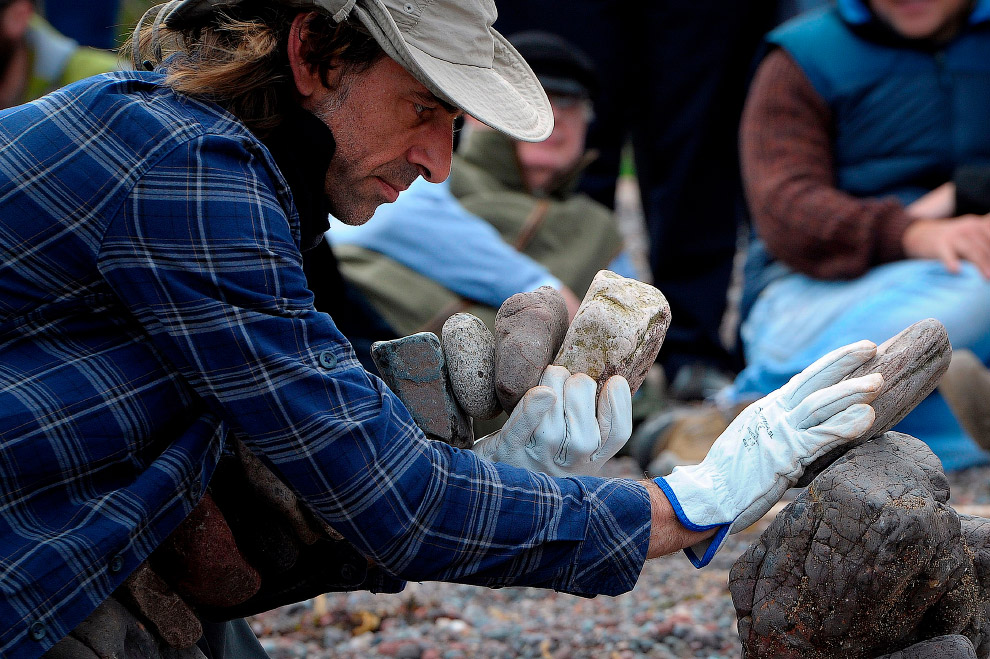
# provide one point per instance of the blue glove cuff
(711, 545)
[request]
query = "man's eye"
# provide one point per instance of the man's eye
(420, 108)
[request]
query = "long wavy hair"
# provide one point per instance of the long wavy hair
(238, 57)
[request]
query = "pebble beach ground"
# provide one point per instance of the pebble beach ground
(674, 611)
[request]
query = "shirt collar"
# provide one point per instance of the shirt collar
(303, 146)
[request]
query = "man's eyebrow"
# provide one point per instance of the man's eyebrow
(430, 97)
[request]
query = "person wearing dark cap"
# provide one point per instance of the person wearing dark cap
(509, 220)
(154, 316)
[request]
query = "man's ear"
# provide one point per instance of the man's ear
(305, 75)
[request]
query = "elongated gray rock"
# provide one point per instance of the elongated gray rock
(618, 330)
(469, 350)
(868, 560)
(944, 647)
(529, 329)
(912, 362)
(414, 368)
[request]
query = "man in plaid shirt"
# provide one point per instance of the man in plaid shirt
(153, 305)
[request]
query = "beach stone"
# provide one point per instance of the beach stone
(868, 560)
(414, 368)
(976, 534)
(912, 362)
(202, 562)
(167, 614)
(529, 330)
(269, 488)
(618, 330)
(469, 350)
(113, 631)
(944, 647)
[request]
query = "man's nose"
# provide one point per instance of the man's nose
(433, 151)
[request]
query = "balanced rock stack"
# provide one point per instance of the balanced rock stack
(470, 372)
(870, 560)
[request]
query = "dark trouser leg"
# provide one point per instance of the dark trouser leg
(230, 640)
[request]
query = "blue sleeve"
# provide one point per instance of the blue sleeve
(428, 231)
(623, 265)
(204, 256)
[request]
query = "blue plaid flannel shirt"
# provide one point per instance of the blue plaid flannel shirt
(152, 301)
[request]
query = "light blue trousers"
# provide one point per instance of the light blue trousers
(798, 319)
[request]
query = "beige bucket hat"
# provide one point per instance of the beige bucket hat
(448, 45)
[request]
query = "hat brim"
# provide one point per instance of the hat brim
(508, 96)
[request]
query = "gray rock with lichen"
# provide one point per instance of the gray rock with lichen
(618, 330)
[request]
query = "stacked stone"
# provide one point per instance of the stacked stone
(469, 372)
(870, 560)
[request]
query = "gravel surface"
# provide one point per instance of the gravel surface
(674, 611)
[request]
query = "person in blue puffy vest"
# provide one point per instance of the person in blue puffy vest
(865, 151)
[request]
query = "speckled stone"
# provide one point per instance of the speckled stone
(618, 330)
(414, 368)
(469, 350)
(202, 562)
(529, 329)
(161, 607)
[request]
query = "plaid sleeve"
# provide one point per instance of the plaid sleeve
(203, 255)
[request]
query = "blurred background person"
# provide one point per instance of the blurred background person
(35, 59)
(864, 152)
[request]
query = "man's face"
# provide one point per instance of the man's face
(922, 19)
(542, 162)
(389, 130)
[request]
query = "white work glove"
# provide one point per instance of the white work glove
(766, 448)
(555, 428)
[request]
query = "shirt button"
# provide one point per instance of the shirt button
(38, 631)
(348, 573)
(328, 359)
(116, 563)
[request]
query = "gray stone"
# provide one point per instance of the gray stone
(944, 647)
(529, 329)
(618, 330)
(469, 350)
(166, 613)
(270, 489)
(868, 560)
(912, 363)
(413, 367)
(976, 534)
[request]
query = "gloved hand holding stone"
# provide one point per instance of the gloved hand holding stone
(765, 449)
(555, 428)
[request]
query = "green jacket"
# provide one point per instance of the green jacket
(569, 233)
(57, 60)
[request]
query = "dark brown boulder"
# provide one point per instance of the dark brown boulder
(868, 560)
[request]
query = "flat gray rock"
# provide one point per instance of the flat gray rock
(469, 350)
(413, 367)
(618, 330)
